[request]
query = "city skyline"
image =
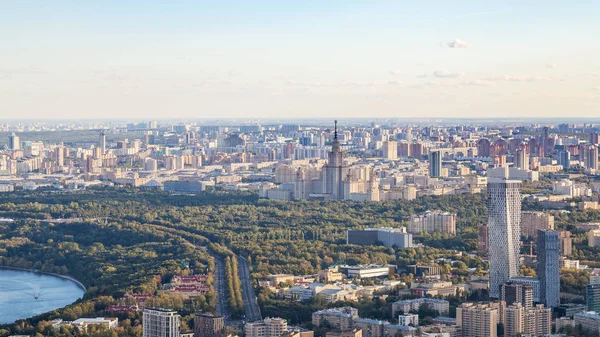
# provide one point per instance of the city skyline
(271, 59)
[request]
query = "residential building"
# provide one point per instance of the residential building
(482, 239)
(504, 219)
(269, 327)
(206, 325)
(370, 327)
(548, 270)
(534, 321)
(533, 282)
(436, 221)
(514, 292)
(531, 221)
(477, 320)
(347, 333)
(390, 150)
(408, 320)
(593, 237)
(589, 320)
(159, 322)
(565, 243)
(338, 318)
(409, 306)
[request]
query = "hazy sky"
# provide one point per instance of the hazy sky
(259, 58)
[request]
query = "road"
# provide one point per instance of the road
(250, 302)
(220, 288)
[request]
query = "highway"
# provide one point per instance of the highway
(220, 288)
(250, 302)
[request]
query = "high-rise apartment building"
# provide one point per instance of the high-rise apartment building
(269, 327)
(102, 141)
(435, 163)
(515, 292)
(548, 270)
(504, 219)
(531, 221)
(593, 237)
(390, 150)
(14, 143)
(534, 321)
(565, 243)
(477, 320)
(522, 159)
(436, 221)
(206, 325)
(160, 323)
(482, 239)
(591, 158)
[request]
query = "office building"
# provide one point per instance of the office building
(565, 243)
(160, 323)
(436, 221)
(504, 219)
(14, 144)
(389, 237)
(548, 269)
(477, 320)
(531, 221)
(522, 160)
(337, 318)
(390, 150)
(269, 327)
(592, 297)
(206, 325)
(514, 292)
(435, 164)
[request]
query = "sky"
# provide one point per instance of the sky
(275, 59)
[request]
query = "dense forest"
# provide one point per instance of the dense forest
(123, 240)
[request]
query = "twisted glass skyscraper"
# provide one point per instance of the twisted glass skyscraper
(504, 223)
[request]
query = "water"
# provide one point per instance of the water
(18, 288)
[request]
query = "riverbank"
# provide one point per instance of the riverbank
(64, 277)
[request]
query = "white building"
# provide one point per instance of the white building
(504, 231)
(408, 320)
(161, 323)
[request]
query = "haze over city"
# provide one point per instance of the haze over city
(202, 59)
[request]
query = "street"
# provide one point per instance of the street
(250, 302)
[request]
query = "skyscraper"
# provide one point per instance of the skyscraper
(102, 141)
(208, 325)
(565, 159)
(547, 267)
(160, 323)
(435, 164)
(13, 142)
(591, 158)
(390, 150)
(504, 220)
(592, 297)
(522, 159)
(335, 170)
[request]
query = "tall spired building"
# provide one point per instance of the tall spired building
(334, 171)
(504, 230)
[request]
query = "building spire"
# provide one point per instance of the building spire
(335, 132)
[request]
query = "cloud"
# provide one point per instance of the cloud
(394, 82)
(479, 83)
(422, 76)
(595, 74)
(396, 73)
(551, 65)
(447, 74)
(458, 43)
(514, 78)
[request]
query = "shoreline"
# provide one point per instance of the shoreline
(64, 277)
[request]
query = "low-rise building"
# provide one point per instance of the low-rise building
(107, 322)
(409, 306)
(337, 318)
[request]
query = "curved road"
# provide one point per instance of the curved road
(250, 302)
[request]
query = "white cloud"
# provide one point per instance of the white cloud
(519, 78)
(551, 65)
(422, 76)
(394, 82)
(396, 73)
(479, 83)
(458, 43)
(446, 74)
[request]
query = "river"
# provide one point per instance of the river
(18, 290)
